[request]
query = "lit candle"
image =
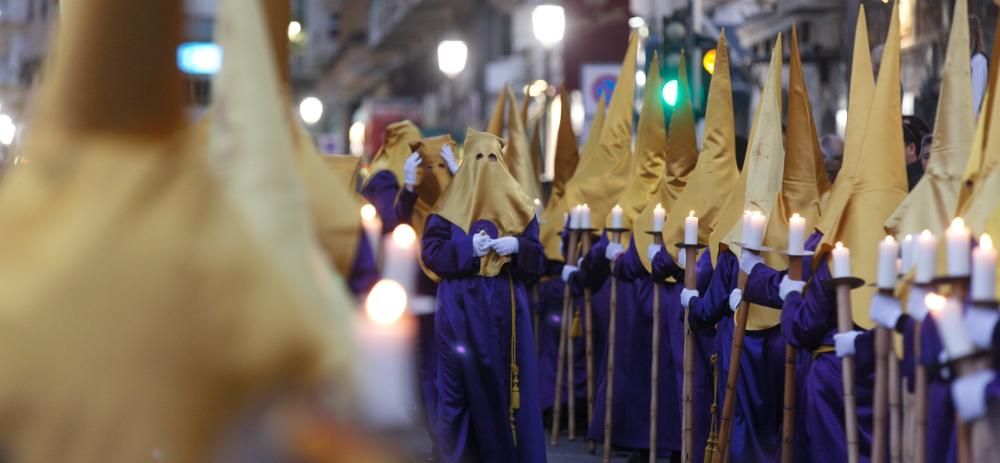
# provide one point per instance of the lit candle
(585, 216)
(908, 248)
(691, 229)
(841, 261)
(538, 209)
(888, 253)
(926, 257)
(947, 313)
(959, 242)
(659, 216)
(373, 227)
(401, 258)
(617, 217)
(984, 270)
(385, 375)
(574, 218)
(796, 234)
(753, 229)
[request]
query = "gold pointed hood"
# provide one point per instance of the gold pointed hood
(881, 185)
(483, 189)
(715, 173)
(601, 176)
(933, 202)
(805, 182)
(566, 160)
(495, 125)
(395, 149)
(518, 154)
(346, 168)
(433, 177)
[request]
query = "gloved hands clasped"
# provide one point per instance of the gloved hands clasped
(482, 244)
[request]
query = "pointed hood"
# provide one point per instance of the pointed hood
(536, 151)
(518, 151)
(679, 153)
(279, 15)
(933, 202)
(484, 190)
(805, 181)
(881, 185)
(346, 168)
(601, 176)
(566, 160)
(715, 174)
(395, 149)
(495, 125)
(433, 177)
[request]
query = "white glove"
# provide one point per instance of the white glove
(687, 295)
(844, 343)
(915, 305)
(410, 169)
(449, 158)
(568, 271)
(481, 244)
(652, 250)
(789, 286)
(885, 310)
(969, 394)
(735, 298)
(979, 324)
(505, 246)
(682, 259)
(748, 260)
(613, 251)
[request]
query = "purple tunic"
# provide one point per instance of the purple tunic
(473, 325)
(364, 271)
(393, 204)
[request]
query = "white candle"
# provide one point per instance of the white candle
(617, 220)
(984, 270)
(841, 261)
(926, 257)
(753, 229)
(947, 315)
(401, 258)
(691, 229)
(796, 234)
(959, 242)
(585, 216)
(908, 253)
(373, 227)
(538, 209)
(385, 374)
(888, 253)
(746, 225)
(659, 216)
(574, 218)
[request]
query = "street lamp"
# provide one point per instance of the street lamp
(548, 22)
(452, 56)
(311, 110)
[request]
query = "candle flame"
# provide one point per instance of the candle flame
(839, 245)
(691, 214)
(386, 302)
(889, 239)
(746, 213)
(926, 234)
(935, 302)
(538, 202)
(658, 206)
(404, 236)
(908, 237)
(368, 212)
(957, 223)
(617, 206)
(985, 242)
(796, 215)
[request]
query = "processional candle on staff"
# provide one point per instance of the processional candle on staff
(538, 209)
(401, 257)
(947, 313)
(617, 220)
(659, 216)
(888, 252)
(796, 234)
(585, 216)
(575, 216)
(926, 257)
(691, 229)
(373, 227)
(841, 261)
(984, 270)
(908, 250)
(385, 374)
(753, 229)
(958, 240)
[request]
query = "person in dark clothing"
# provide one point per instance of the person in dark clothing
(914, 130)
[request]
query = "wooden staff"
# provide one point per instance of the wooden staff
(844, 325)
(588, 314)
(788, 412)
(729, 402)
(895, 411)
(880, 438)
(571, 256)
(609, 384)
(687, 389)
(654, 372)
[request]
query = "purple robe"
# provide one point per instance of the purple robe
(393, 204)
(473, 326)
(364, 271)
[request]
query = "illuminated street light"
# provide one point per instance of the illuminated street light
(452, 56)
(295, 32)
(311, 110)
(709, 61)
(548, 22)
(670, 92)
(7, 130)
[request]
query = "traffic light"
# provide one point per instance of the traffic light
(669, 92)
(708, 62)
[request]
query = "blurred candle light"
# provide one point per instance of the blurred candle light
(385, 373)
(984, 270)
(401, 258)
(908, 253)
(753, 229)
(888, 253)
(926, 257)
(841, 261)
(947, 313)
(659, 216)
(585, 216)
(617, 217)
(373, 227)
(796, 234)
(691, 229)
(958, 240)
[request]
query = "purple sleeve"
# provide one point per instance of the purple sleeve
(996, 347)
(529, 262)
(664, 266)
(808, 320)
(762, 286)
(628, 266)
(864, 351)
(364, 271)
(704, 271)
(993, 393)
(713, 305)
(381, 191)
(446, 250)
(595, 268)
(404, 205)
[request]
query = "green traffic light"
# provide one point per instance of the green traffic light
(670, 92)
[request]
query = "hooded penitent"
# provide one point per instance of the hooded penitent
(395, 149)
(518, 155)
(483, 189)
(433, 177)
(566, 160)
(346, 167)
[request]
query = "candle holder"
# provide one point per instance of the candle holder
(797, 254)
(949, 280)
(690, 246)
(851, 282)
(616, 230)
(758, 248)
(990, 305)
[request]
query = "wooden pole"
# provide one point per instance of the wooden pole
(571, 256)
(588, 314)
(845, 324)
(729, 403)
(687, 390)
(610, 374)
(654, 372)
(880, 420)
(920, 397)
(788, 412)
(895, 411)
